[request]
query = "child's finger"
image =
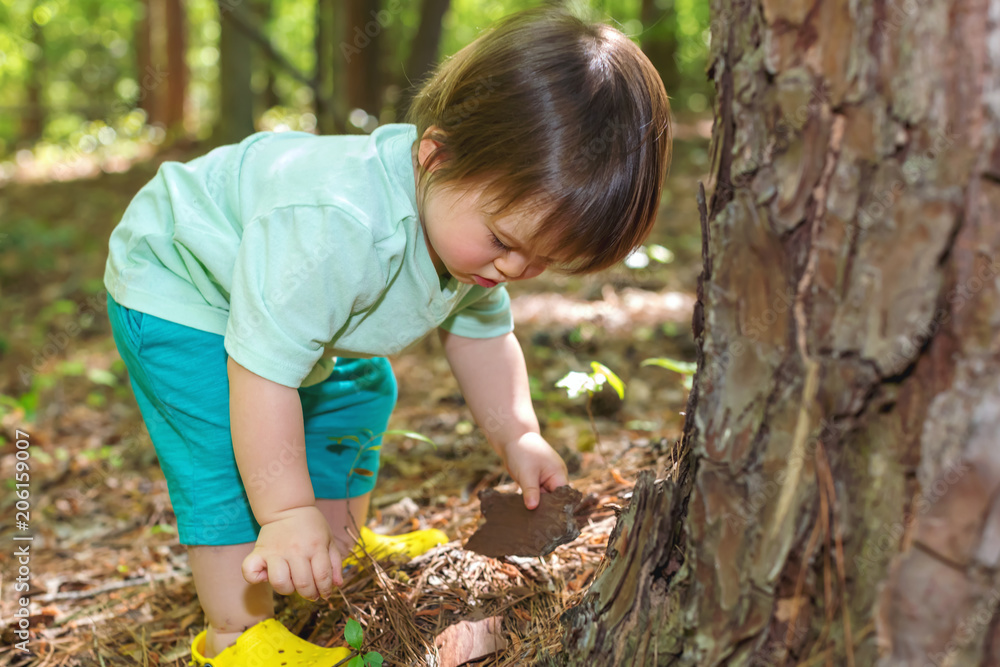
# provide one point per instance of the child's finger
(555, 480)
(531, 496)
(280, 576)
(322, 571)
(302, 578)
(254, 568)
(336, 565)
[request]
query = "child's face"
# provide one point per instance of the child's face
(476, 247)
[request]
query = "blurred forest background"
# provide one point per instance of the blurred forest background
(94, 94)
(88, 84)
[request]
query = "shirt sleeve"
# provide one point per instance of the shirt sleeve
(482, 313)
(300, 275)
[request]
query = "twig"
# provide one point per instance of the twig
(118, 585)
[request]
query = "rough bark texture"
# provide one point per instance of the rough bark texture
(842, 499)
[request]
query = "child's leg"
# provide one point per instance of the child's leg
(345, 516)
(345, 416)
(231, 605)
(181, 384)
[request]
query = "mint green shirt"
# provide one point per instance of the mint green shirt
(297, 249)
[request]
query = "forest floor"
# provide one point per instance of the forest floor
(109, 583)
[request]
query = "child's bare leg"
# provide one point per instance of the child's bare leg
(231, 604)
(346, 526)
(345, 516)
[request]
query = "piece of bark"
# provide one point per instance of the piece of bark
(511, 529)
(469, 640)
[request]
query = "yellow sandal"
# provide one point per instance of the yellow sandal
(394, 547)
(268, 644)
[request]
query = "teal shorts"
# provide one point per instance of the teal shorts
(181, 383)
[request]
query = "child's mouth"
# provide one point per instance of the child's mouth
(483, 282)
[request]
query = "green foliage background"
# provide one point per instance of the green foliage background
(83, 54)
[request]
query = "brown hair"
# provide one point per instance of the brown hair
(544, 107)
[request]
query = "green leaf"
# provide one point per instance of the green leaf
(354, 634)
(682, 367)
(373, 659)
(413, 435)
(373, 448)
(356, 661)
(615, 381)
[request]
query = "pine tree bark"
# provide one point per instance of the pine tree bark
(839, 498)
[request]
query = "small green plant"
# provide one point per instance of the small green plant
(685, 368)
(355, 635)
(576, 383)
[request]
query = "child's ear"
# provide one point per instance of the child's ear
(430, 153)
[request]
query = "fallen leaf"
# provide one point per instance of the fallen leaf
(469, 640)
(511, 529)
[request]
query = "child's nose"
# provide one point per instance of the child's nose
(518, 266)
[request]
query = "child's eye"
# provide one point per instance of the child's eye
(498, 244)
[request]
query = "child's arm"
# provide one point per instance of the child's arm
(294, 549)
(494, 381)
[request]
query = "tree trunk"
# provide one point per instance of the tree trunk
(363, 28)
(423, 52)
(33, 121)
(659, 42)
(144, 60)
(329, 87)
(838, 501)
(235, 120)
(161, 61)
(177, 69)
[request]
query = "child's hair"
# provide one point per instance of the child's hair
(545, 108)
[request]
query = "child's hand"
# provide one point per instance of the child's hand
(535, 466)
(296, 553)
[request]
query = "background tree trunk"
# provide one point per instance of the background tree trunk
(365, 22)
(33, 121)
(177, 69)
(235, 120)
(330, 60)
(161, 50)
(424, 51)
(659, 42)
(144, 60)
(838, 498)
